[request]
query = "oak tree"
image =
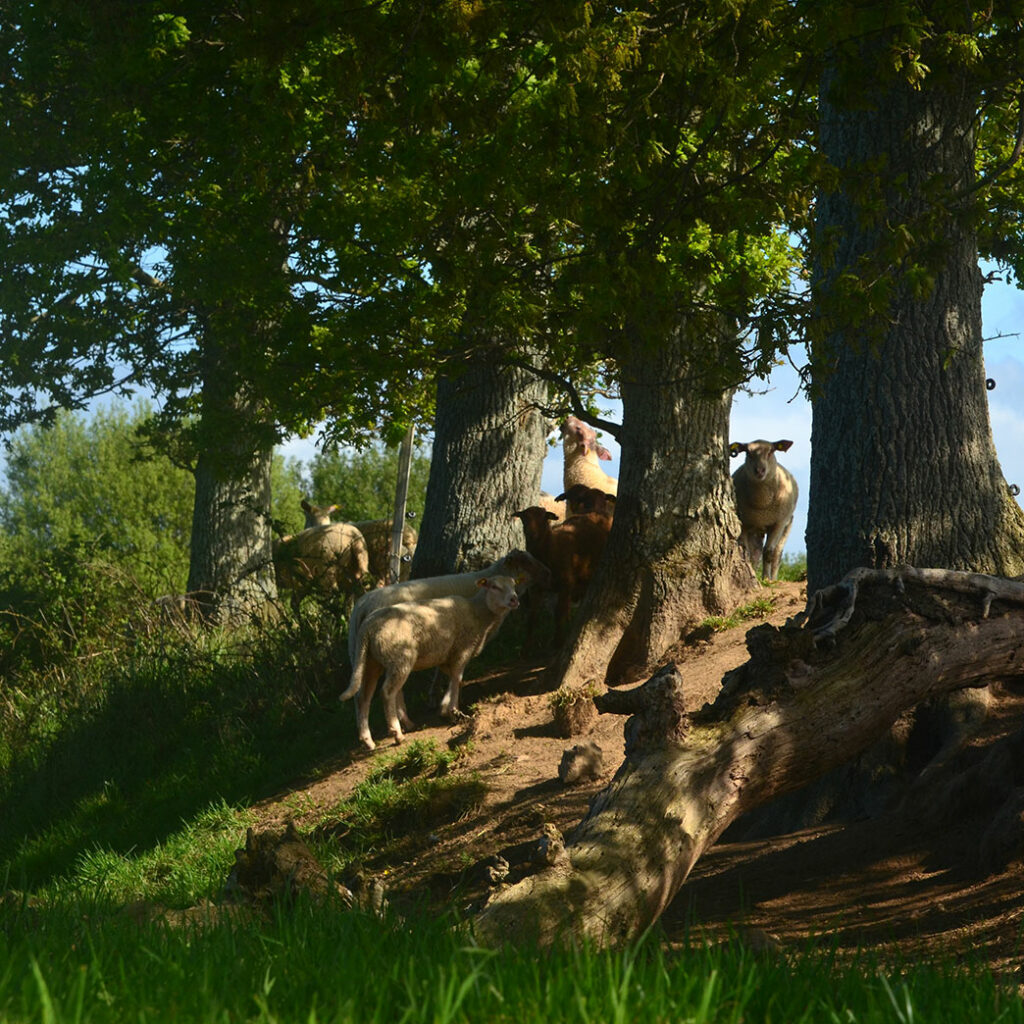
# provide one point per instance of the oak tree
(903, 465)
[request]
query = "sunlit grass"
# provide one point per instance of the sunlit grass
(322, 963)
(759, 608)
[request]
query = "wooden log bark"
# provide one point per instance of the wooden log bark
(814, 693)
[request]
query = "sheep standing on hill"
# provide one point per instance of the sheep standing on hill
(582, 455)
(325, 559)
(444, 633)
(520, 565)
(376, 533)
(766, 496)
(570, 549)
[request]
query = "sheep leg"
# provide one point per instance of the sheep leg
(450, 703)
(403, 716)
(773, 548)
(752, 541)
(391, 691)
(371, 674)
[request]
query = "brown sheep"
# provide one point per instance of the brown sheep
(581, 498)
(571, 550)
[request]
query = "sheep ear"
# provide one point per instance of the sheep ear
(782, 446)
(602, 453)
(561, 497)
(735, 448)
(550, 515)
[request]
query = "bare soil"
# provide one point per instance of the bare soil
(884, 884)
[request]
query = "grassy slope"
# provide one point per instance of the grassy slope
(128, 777)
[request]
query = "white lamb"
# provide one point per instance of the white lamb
(444, 633)
(521, 565)
(766, 496)
(581, 455)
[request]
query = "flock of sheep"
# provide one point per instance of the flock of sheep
(445, 621)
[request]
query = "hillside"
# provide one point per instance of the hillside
(885, 882)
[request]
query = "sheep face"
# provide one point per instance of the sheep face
(760, 458)
(581, 498)
(317, 515)
(577, 434)
(500, 593)
(535, 519)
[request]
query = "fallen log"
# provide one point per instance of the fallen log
(813, 694)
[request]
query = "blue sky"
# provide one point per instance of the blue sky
(781, 411)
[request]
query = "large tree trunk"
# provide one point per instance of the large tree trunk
(230, 561)
(672, 557)
(487, 458)
(811, 696)
(903, 465)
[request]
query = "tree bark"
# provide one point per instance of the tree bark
(903, 465)
(230, 561)
(813, 694)
(673, 556)
(487, 458)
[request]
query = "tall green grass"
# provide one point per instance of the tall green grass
(319, 963)
(118, 743)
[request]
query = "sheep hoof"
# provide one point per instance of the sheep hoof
(367, 743)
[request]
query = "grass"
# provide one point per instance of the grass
(118, 750)
(319, 963)
(759, 608)
(793, 568)
(404, 794)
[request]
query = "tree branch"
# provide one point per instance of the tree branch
(576, 406)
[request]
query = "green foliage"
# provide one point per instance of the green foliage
(193, 860)
(793, 568)
(565, 696)
(362, 483)
(288, 486)
(321, 963)
(109, 745)
(90, 484)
